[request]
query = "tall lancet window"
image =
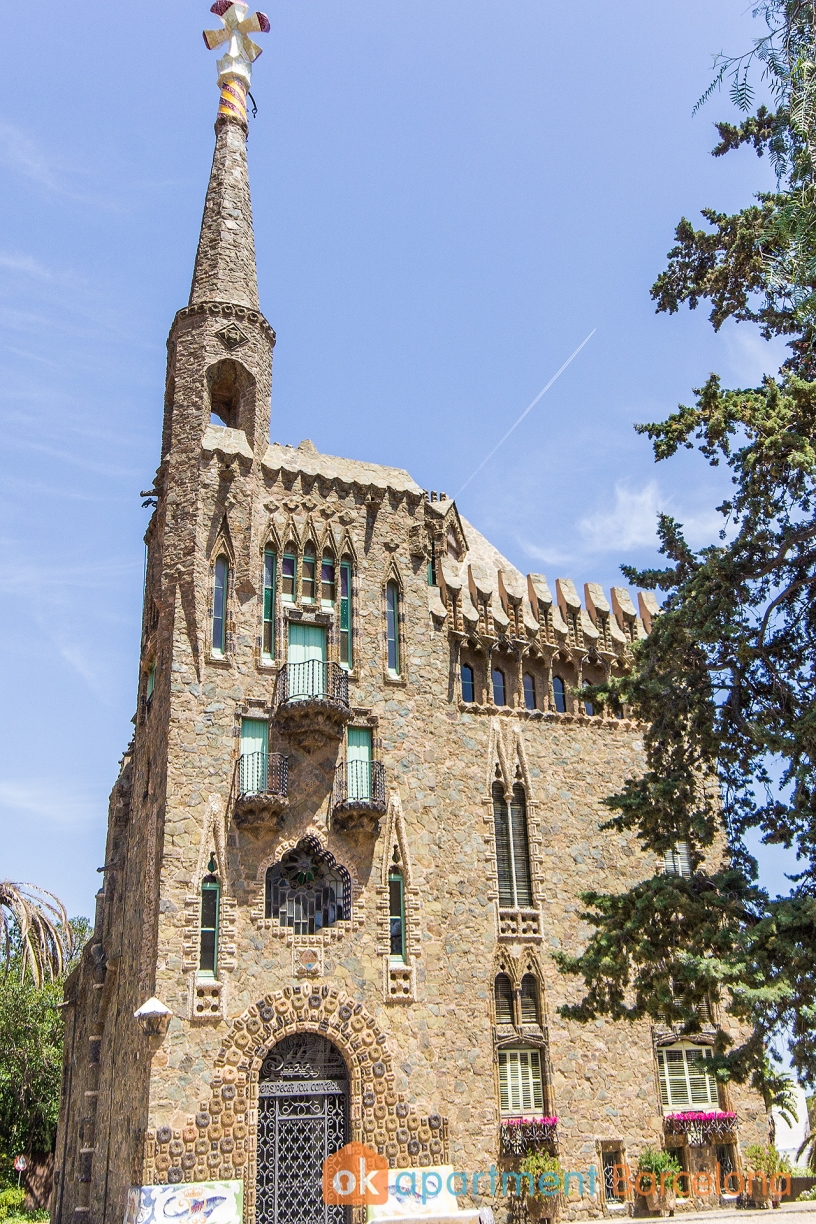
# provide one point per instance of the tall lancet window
(512, 848)
(210, 905)
(219, 620)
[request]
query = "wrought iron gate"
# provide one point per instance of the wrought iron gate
(303, 1113)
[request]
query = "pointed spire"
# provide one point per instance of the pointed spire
(225, 268)
(225, 263)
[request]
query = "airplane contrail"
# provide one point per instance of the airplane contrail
(529, 408)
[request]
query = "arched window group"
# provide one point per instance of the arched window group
(509, 1010)
(512, 848)
(294, 578)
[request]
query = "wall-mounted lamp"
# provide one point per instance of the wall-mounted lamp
(154, 1019)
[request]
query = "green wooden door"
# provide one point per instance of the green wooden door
(254, 755)
(306, 660)
(358, 763)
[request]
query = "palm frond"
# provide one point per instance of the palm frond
(42, 927)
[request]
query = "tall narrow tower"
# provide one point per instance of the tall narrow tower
(361, 802)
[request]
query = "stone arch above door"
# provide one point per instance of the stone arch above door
(218, 1142)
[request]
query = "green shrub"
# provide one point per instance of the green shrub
(658, 1160)
(536, 1163)
(764, 1158)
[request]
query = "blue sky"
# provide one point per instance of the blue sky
(448, 198)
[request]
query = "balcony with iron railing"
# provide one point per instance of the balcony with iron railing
(359, 795)
(261, 787)
(312, 701)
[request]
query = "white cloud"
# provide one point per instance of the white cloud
(629, 523)
(751, 357)
(50, 801)
(18, 152)
(549, 556)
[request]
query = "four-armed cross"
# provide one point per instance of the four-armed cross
(236, 64)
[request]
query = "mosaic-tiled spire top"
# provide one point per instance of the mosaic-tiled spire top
(225, 263)
(235, 66)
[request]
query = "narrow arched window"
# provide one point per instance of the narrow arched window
(468, 685)
(396, 913)
(529, 692)
(529, 1000)
(345, 614)
(327, 580)
(268, 644)
(499, 695)
(219, 621)
(559, 695)
(289, 575)
(210, 905)
(309, 575)
(589, 708)
(392, 627)
(512, 849)
(503, 994)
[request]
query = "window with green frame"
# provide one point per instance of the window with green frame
(392, 627)
(396, 900)
(210, 906)
(219, 618)
(289, 576)
(346, 648)
(268, 641)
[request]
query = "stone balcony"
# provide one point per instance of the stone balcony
(261, 788)
(312, 702)
(359, 795)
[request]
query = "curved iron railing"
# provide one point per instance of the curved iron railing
(314, 680)
(360, 782)
(263, 773)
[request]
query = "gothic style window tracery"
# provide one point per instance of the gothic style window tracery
(307, 890)
(512, 848)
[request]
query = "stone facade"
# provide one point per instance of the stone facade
(419, 1032)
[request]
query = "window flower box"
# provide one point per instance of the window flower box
(700, 1127)
(522, 1135)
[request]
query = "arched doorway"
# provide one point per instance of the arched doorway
(303, 1116)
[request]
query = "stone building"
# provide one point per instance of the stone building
(360, 803)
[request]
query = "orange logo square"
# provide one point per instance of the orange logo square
(356, 1175)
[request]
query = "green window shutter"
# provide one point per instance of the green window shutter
(392, 627)
(345, 615)
(219, 620)
(268, 647)
(521, 847)
(210, 906)
(504, 862)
